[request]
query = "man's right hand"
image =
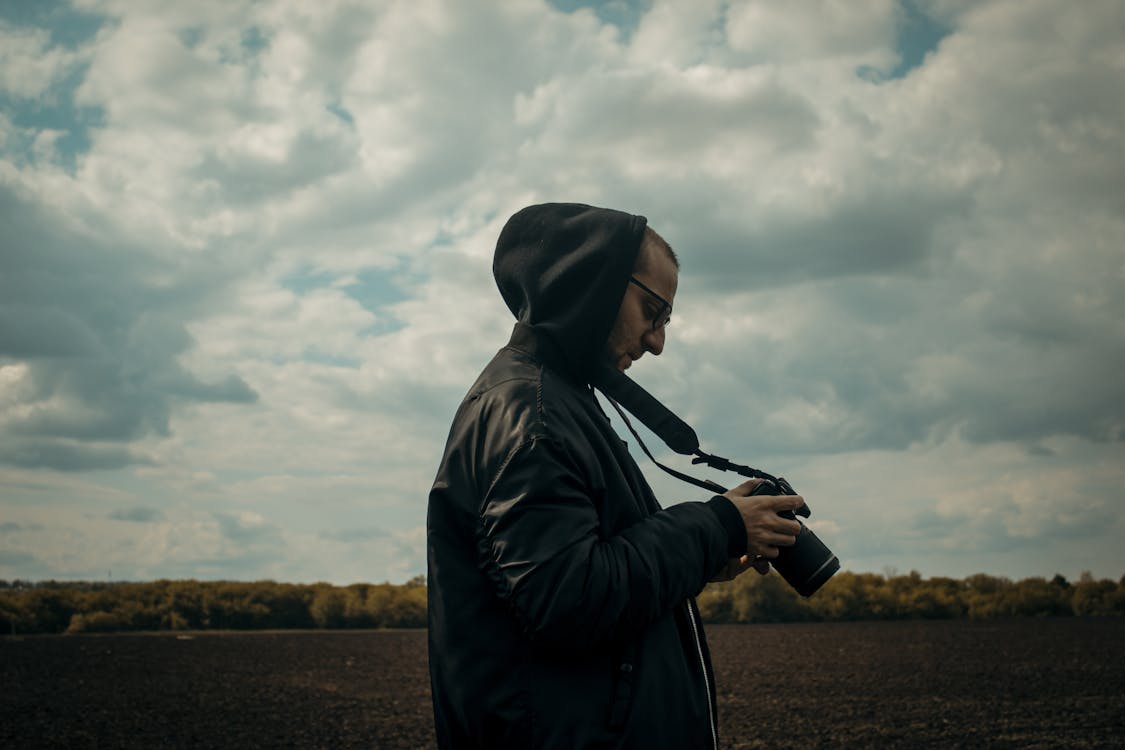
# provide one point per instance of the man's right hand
(765, 530)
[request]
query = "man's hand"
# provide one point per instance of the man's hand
(736, 566)
(765, 530)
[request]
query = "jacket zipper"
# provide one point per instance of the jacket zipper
(706, 682)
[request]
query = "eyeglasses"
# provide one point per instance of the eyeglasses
(664, 314)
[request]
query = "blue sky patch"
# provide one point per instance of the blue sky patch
(55, 108)
(68, 26)
(624, 14)
(917, 35)
(304, 282)
(374, 290)
(191, 37)
(254, 41)
(343, 114)
(55, 111)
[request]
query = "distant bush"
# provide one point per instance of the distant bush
(95, 622)
(867, 596)
(85, 607)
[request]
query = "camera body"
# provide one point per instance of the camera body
(808, 563)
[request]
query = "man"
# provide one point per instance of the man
(560, 593)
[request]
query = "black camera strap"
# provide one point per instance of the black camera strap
(706, 484)
(621, 390)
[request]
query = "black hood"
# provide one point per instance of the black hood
(562, 269)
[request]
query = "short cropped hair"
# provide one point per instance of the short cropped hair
(651, 243)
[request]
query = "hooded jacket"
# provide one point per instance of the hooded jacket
(560, 592)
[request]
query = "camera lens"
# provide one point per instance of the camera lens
(807, 564)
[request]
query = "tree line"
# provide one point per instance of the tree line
(867, 596)
(88, 607)
(85, 607)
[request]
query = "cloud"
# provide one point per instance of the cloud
(246, 527)
(30, 62)
(925, 277)
(89, 336)
(246, 262)
(140, 514)
(350, 536)
(774, 33)
(17, 559)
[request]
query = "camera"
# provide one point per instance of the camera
(808, 563)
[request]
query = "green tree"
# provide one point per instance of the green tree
(48, 610)
(767, 598)
(328, 607)
(407, 607)
(1090, 597)
(716, 603)
(985, 596)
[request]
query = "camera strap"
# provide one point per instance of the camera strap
(621, 390)
(706, 484)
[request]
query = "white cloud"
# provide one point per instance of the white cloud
(29, 64)
(255, 299)
(784, 33)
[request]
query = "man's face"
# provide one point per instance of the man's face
(633, 333)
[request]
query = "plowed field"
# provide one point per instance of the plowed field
(1017, 684)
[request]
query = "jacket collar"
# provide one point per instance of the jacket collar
(540, 347)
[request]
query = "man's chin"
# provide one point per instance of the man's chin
(621, 364)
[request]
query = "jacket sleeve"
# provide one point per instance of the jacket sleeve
(539, 542)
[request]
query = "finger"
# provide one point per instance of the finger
(786, 502)
(787, 540)
(779, 525)
(777, 540)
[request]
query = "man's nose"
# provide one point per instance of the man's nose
(654, 341)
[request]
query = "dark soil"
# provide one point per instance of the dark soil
(1017, 684)
(1057, 683)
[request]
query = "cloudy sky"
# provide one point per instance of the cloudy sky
(245, 256)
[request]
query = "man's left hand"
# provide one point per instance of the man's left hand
(736, 566)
